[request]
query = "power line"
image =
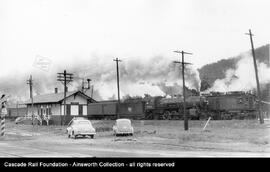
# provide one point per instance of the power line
(30, 82)
(118, 89)
(184, 94)
(257, 77)
(64, 78)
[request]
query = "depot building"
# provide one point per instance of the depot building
(52, 105)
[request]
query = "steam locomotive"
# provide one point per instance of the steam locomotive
(173, 108)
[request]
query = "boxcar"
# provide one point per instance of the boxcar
(109, 109)
(14, 111)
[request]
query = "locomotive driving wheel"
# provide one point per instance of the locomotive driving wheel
(166, 115)
(150, 115)
(175, 115)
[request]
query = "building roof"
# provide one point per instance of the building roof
(56, 97)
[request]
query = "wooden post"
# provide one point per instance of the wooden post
(118, 88)
(206, 123)
(257, 78)
(184, 92)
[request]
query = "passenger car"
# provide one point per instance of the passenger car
(123, 127)
(80, 127)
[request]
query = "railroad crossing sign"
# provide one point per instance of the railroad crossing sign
(3, 112)
(3, 109)
(3, 101)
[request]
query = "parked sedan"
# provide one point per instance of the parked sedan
(19, 120)
(123, 127)
(80, 127)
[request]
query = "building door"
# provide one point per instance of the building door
(80, 110)
(68, 109)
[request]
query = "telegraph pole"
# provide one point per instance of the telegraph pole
(30, 82)
(118, 92)
(65, 78)
(257, 77)
(184, 92)
(83, 85)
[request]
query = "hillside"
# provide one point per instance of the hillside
(211, 72)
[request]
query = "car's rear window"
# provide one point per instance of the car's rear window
(123, 123)
(83, 122)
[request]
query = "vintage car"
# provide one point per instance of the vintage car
(123, 127)
(19, 120)
(80, 127)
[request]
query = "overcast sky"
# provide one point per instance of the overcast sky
(66, 31)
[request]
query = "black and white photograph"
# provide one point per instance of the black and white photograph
(148, 80)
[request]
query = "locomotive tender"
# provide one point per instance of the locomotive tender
(232, 105)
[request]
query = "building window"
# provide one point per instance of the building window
(50, 111)
(74, 103)
(80, 109)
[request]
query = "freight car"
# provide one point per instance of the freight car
(232, 105)
(173, 108)
(109, 110)
(15, 111)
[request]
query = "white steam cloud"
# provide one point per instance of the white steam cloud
(139, 77)
(243, 76)
(155, 76)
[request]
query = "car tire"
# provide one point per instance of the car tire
(91, 136)
(74, 136)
